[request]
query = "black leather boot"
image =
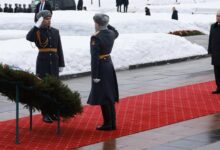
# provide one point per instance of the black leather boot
(104, 127)
(54, 117)
(46, 118)
(106, 113)
(217, 91)
(113, 116)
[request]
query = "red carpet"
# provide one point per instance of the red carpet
(134, 114)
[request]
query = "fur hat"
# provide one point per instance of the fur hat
(101, 19)
(44, 14)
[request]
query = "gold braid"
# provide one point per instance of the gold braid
(41, 43)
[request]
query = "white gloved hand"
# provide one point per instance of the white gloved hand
(96, 80)
(39, 22)
(60, 69)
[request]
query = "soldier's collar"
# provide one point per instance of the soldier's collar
(45, 28)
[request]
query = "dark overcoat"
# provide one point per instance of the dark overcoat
(118, 2)
(175, 15)
(125, 2)
(147, 11)
(214, 44)
(80, 5)
(5, 9)
(47, 62)
(10, 10)
(16, 9)
(106, 90)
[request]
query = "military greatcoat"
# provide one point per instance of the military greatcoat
(50, 56)
(102, 68)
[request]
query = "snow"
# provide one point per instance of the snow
(142, 39)
(128, 50)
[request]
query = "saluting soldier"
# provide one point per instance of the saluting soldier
(50, 59)
(104, 91)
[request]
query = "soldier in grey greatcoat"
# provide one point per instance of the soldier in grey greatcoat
(50, 59)
(104, 91)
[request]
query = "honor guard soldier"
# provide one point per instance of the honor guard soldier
(50, 59)
(104, 91)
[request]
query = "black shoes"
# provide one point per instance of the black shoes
(46, 118)
(106, 128)
(54, 117)
(50, 118)
(216, 92)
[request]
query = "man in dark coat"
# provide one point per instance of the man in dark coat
(80, 5)
(29, 9)
(104, 91)
(10, 9)
(1, 8)
(5, 8)
(174, 14)
(16, 8)
(125, 3)
(118, 5)
(50, 59)
(147, 11)
(24, 8)
(19, 10)
(42, 5)
(214, 50)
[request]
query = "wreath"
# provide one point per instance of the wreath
(48, 94)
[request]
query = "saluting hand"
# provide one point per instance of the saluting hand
(39, 22)
(96, 80)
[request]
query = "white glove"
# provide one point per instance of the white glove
(96, 80)
(60, 69)
(39, 22)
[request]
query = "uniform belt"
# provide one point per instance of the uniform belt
(48, 49)
(103, 56)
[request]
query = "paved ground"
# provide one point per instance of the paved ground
(200, 40)
(133, 82)
(138, 81)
